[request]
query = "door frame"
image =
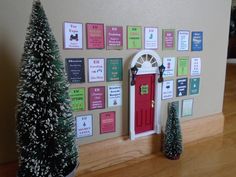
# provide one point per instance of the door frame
(146, 67)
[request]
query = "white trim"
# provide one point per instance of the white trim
(231, 60)
(157, 110)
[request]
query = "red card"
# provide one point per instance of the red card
(95, 36)
(107, 122)
(96, 97)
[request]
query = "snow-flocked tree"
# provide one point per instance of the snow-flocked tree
(45, 124)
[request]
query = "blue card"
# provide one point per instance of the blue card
(197, 41)
(75, 70)
(181, 87)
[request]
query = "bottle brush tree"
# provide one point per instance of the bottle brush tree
(173, 137)
(45, 124)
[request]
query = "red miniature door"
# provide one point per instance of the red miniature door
(144, 103)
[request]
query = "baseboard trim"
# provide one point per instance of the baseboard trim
(110, 152)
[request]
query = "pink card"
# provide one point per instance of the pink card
(95, 36)
(107, 122)
(169, 39)
(96, 96)
(114, 37)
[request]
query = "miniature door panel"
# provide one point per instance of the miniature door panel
(144, 103)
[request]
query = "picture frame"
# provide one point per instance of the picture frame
(95, 36)
(187, 107)
(96, 69)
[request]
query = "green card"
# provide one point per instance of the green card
(194, 86)
(114, 69)
(77, 96)
(183, 66)
(134, 37)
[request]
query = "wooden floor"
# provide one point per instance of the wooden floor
(214, 157)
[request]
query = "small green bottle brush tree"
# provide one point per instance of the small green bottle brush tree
(172, 137)
(45, 124)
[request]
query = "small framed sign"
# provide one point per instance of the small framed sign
(75, 70)
(134, 37)
(114, 37)
(183, 66)
(187, 107)
(114, 69)
(183, 40)
(107, 122)
(114, 95)
(168, 89)
(95, 36)
(84, 126)
(77, 97)
(96, 97)
(194, 86)
(151, 38)
(195, 66)
(96, 69)
(169, 63)
(168, 39)
(181, 86)
(197, 41)
(73, 35)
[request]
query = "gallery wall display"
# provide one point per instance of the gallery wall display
(181, 87)
(95, 36)
(194, 86)
(151, 38)
(168, 39)
(195, 66)
(96, 69)
(107, 122)
(96, 97)
(183, 40)
(134, 37)
(77, 97)
(75, 70)
(197, 41)
(168, 89)
(114, 37)
(84, 126)
(187, 107)
(114, 68)
(114, 95)
(169, 63)
(183, 66)
(73, 35)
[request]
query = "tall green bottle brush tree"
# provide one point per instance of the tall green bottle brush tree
(45, 124)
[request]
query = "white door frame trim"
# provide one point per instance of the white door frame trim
(147, 68)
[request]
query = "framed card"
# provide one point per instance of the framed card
(114, 37)
(187, 107)
(77, 97)
(96, 96)
(151, 38)
(73, 35)
(84, 126)
(96, 67)
(197, 41)
(194, 86)
(107, 122)
(168, 89)
(181, 87)
(114, 69)
(168, 39)
(134, 37)
(183, 40)
(75, 70)
(95, 36)
(114, 95)
(169, 63)
(183, 66)
(195, 66)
